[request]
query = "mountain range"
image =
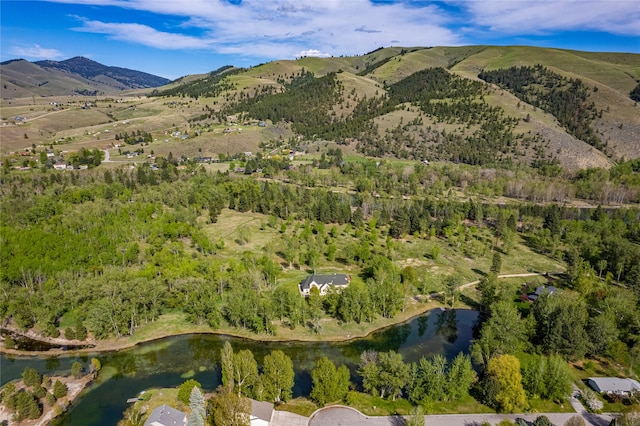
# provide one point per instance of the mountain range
(77, 75)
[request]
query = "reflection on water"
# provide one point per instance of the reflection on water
(447, 325)
(166, 362)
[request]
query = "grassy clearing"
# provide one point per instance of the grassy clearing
(370, 405)
(169, 324)
(300, 406)
(466, 405)
(584, 369)
(545, 406)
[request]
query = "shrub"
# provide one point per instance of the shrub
(39, 392)
(69, 333)
(184, 391)
(542, 421)
(49, 399)
(575, 421)
(9, 343)
(591, 400)
(81, 331)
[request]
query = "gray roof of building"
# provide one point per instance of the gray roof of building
(334, 279)
(166, 416)
(614, 384)
(261, 410)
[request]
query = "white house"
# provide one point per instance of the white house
(323, 283)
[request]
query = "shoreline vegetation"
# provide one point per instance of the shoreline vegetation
(158, 330)
(54, 403)
(174, 324)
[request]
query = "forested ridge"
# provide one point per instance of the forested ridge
(307, 102)
(566, 98)
(454, 122)
(213, 85)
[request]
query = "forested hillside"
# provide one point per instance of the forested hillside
(425, 104)
(567, 99)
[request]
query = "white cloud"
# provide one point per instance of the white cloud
(143, 34)
(36, 52)
(286, 28)
(539, 17)
(280, 28)
(313, 52)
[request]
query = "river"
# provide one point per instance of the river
(168, 362)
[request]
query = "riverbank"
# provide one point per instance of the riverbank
(74, 390)
(175, 324)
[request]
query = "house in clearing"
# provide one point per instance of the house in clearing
(540, 290)
(323, 283)
(614, 385)
(166, 416)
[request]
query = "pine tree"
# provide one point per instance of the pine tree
(59, 389)
(196, 404)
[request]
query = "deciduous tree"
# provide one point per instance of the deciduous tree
(245, 372)
(329, 383)
(277, 376)
(510, 396)
(229, 409)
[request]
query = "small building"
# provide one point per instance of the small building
(166, 416)
(323, 283)
(261, 413)
(614, 385)
(540, 290)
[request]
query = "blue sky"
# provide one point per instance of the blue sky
(173, 38)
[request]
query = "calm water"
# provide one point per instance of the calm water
(167, 362)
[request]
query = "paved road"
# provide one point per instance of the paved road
(347, 416)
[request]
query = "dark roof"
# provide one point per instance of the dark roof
(261, 410)
(166, 416)
(542, 289)
(335, 279)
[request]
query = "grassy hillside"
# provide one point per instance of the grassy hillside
(201, 106)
